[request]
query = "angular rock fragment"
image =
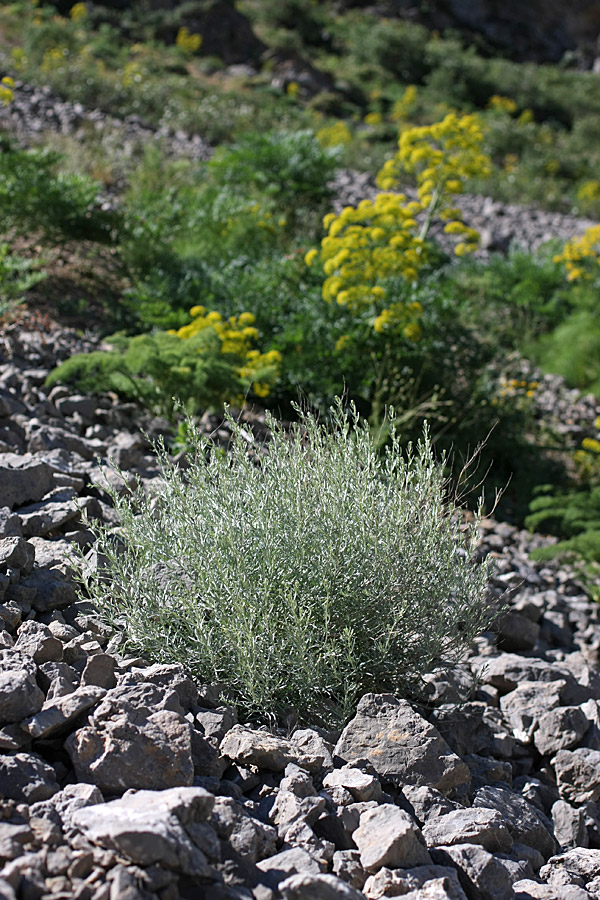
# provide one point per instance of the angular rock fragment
(23, 479)
(569, 825)
(387, 836)
(579, 863)
(26, 778)
(401, 745)
(248, 836)
(58, 715)
(118, 754)
(257, 748)
(38, 642)
(20, 695)
(317, 887)
(527, 824)
(578, 774)
(17, 553)
(524, 706)
(277, 868)
(470, 826)
(362, 786)
(149, 828)
(482, 876)
(560, 729)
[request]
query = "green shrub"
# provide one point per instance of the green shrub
(301, 577)
(17, 275)
(207, 363)
(574, 514)
(35, 194)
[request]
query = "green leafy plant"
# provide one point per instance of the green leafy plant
(204, 364)
(301, 574)
(35, 194)
(17, 275)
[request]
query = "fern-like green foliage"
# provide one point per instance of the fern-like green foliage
(574, 515)
(160, 371)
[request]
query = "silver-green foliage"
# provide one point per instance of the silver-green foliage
(301, 576)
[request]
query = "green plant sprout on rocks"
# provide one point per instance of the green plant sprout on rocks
(301, 573)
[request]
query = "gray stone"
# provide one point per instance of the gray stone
(347, 866)
(560, 729)
(215, 723)
(137, 701)
(527, 824)
(317, 887)
(249, 837)
(470, 826)
(99, 671)
(362, 786)
(257, 748)
(51, 589)
(473, 727)
(579, 863)
(481, 875)
(517, 632)
(578, 774)
(171, 676)
(524, 706)
(316, 752)
(26, 778)
(525, 889)
(437, 882)
(387, 836)
(569, 825)
(37, 641)
(17, 553)
(427, 802)
(508, 671)
(149, 828)
(60, 714)
(118, 754)
(401, 745)
(23, 479)
(19, 694)
(277, 868)
(64, 804)
(289, 809)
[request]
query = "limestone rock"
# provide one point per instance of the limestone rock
(149, 827)
(387, 836)
(401, 745)
(470, 826)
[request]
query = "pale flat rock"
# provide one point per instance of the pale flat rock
(470, 826)
(57, 716)
(580, 862)
(401, 745)
(525, 889)
(560, 729)
(149, 827)
(258, 748)
(403, 882)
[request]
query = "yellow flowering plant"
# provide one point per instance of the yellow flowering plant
(581, 255)
(386, 238)
(210, 361)
(7, 85)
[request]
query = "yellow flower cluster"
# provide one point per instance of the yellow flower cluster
(589, 191)
(237, 335)
(336, 135)
(581, 256)
(78, 12)
(502, 104)
(516, 387)
(442, 157)
(403, 107)
(364, 245)
(6, 90)
(385, 237)
(189, 43)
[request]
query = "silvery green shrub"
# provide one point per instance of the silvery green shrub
(301, 573)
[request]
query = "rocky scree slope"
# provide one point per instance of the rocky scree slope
(38, 110)
(124, 780)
